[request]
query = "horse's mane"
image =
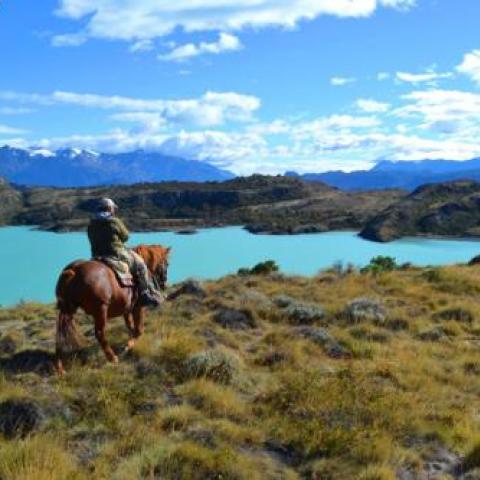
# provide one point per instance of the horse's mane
(154, 255)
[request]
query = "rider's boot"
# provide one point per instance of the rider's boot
(148, 295)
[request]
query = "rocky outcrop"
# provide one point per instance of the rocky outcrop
(445, 209)
(267, 204)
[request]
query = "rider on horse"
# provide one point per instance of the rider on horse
(108, 235)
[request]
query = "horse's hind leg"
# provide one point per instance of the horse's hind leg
(100, 324)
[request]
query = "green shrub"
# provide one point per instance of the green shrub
(380, 264)
(262, 268)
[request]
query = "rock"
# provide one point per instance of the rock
(474, 261)
(18, 418)
(217, 365)
(235, 319)
(189, 287)
(365, 310)
(187, 231)
(304, 313)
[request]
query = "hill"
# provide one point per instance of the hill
(80, 168)
(265, 204)
(406, 175)
(446, 209)
(340, 376)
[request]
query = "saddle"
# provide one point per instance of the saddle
(121, 270)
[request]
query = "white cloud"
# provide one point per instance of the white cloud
(416, 78)
(341, 81)
(372, 106)
(6, 130)
(144, 45)
(211, 109)
(381, 76)
(69, 40)
(133, 20)
(471, 65)
(15, 110)
(443, 111)
(225, 43)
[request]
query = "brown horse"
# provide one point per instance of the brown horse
(93, 287)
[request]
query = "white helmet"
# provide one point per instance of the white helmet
(106, 204)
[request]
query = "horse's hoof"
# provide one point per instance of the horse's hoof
(114, 359)
(130, 345)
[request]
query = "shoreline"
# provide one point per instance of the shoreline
(194, 229)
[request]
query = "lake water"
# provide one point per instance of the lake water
(31, 260)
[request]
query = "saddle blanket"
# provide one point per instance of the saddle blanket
(121, 270)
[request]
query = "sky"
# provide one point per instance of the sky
(260, 86)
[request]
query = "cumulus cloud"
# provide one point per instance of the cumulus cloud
(341, 81)
(471, 65)
(443, 111)
(372, 106)
(225, 43)
(134, 20)
(211, 109)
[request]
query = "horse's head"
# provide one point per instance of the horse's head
(156, 259)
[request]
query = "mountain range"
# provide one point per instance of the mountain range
(407, 175)
(81, 168)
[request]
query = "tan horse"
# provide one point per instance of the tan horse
(93, 287)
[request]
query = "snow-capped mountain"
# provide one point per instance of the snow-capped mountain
(73, 167)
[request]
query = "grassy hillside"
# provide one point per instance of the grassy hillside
(341, 376)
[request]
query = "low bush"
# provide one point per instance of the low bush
(217, 365)
(304, 313)
(365, 310)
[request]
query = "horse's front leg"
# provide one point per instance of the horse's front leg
(131, 331)
(100, 324)
(138, 321)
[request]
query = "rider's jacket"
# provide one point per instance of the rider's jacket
(107, 235)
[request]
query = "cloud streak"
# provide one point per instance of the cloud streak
(211, 109)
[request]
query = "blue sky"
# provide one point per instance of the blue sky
(253, 85)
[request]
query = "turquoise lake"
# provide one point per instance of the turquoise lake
(32, 260)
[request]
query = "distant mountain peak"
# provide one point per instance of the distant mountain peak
(75, 167)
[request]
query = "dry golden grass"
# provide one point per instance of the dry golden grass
(285, 407)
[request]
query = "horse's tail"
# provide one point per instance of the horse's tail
(67, 337)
